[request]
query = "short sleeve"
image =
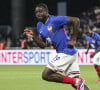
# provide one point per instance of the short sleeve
(96, 36)
(60, 20)
(98, 42)
(88, 39)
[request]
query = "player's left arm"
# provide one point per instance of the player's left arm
(92, 55)
(88, 48)
(76, 25)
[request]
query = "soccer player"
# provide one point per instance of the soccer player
(93, 40)
(50, 28)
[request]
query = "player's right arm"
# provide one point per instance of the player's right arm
(92, 55)
(76, 25)
(88, 45)
(87, 49)
(64, 20)
(39, 41)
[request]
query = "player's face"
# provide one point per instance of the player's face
(41, 13)
(89, 34)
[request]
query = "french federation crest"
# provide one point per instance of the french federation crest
(50, 28)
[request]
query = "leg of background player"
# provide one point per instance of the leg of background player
(97, 68)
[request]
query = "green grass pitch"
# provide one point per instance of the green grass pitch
(29, 78)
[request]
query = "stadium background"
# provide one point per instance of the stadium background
(15, 15)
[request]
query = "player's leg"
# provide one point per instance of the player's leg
(61, 63)
(74, 71)
(85, 86)
(96, 61)
(97, 68)
(50, 75)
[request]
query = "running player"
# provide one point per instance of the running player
(93, 40)
(51, 28)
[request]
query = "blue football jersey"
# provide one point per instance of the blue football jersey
(95, 37)
(53, 31)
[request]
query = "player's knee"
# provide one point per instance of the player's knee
(44, 76)
(47, 73)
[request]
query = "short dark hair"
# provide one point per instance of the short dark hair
(43, 5)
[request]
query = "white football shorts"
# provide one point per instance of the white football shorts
(65, 63)
(96, 59)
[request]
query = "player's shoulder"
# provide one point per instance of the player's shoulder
(56, 16)
(39, 24)
(52, 17)
(96, 34)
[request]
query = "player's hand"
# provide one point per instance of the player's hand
(92, 55)
(93, 41)
(29, 33)
(71, 43)
(86, 52)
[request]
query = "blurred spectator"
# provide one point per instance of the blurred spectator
(91, 19)
(26, 42)
(97, 22)
(96, 10)
(80, 38)
(84, 19)
(5, 32)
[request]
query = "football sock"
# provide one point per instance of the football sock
(98, 71)
(68, 80)
(23, 43)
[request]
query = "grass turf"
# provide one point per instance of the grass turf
(29, 78)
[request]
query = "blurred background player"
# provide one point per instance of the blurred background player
(26, 42)
(50, 28)
(93, 40)
(5, 36)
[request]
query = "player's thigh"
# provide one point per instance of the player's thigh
(96, 59)
(61, 62)
(73, 70)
